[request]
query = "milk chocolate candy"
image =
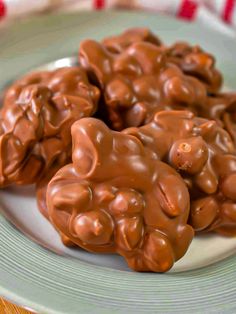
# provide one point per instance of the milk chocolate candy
(138, 82)
(120, 42)
(114, 198)
(194, 61)
(204, 154)
(35, 120)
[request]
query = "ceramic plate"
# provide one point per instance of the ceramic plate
(36, 270)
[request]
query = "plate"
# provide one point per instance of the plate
(36, 270)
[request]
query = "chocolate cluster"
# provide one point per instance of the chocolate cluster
(192, 60)
(120, 42)
(153, 156)
(138, 82)
(205, 156)
(115, 198)
(35, 120)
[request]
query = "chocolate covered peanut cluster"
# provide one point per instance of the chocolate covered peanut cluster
(205, 156)
(35, 120)
(115, 198)
(138, 82)
(194, 61)
(120, 42)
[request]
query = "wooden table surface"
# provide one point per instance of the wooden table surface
(8, 308)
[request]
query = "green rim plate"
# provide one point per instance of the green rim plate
(48, 283)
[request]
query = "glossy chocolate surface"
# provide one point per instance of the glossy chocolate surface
(132, 35)
(191, 59)
(194, 61)
(204, 154)
(115, 198)
(140, 76)
(37, 113)
(139, 81)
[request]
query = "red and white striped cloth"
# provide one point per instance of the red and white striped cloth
(219, 14)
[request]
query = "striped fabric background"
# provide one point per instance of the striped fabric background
(222, 10)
